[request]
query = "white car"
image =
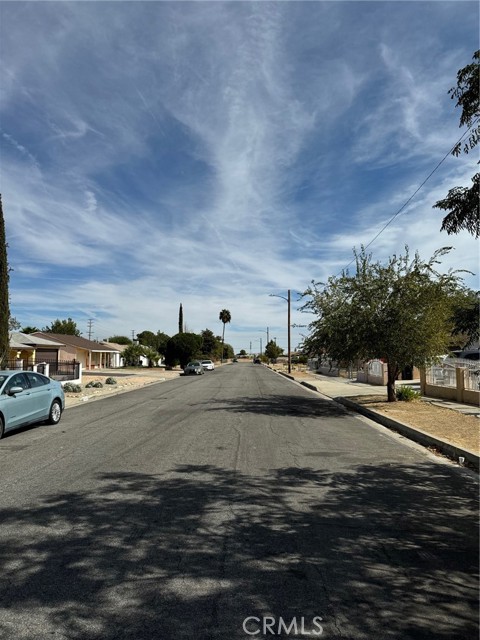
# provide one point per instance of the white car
(207, 364)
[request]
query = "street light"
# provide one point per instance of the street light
(288, 320)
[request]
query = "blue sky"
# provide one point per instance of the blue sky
(213, 153)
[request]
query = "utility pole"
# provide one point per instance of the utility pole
(288, 300)
(90, 328)
(289, 339)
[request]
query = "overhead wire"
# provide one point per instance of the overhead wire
(414, 194)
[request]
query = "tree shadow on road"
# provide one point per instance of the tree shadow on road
(278, 405)
(375, 551)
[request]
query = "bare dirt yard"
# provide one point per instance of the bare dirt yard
(446, 424)
(125, 381)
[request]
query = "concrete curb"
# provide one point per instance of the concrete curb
(452, 451)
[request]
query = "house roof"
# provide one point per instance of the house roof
(77, 342)
(29, 341)
(15, 344)
(118, 347)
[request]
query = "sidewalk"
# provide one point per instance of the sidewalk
(345, 388)
(366, 399)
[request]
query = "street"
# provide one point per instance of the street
(232, 505)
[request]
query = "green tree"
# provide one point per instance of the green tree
(225, 316)
(131, 355)
(161, 342)
(29, 329)
(182, 348)
(399, 311)
(119, 340)
(147, 338)
(462, 203)
(4, 300)
(465, 318)
(157, 341)
(228, 351)
(273, 351)
(211, 345)
(66, 327)
(152, 356)
(180, 319)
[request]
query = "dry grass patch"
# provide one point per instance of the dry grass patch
(446, 424)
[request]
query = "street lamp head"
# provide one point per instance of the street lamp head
(273, 295)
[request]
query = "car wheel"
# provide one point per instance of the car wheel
(55, 412)
(2, 428)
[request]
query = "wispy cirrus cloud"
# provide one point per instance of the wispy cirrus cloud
(213, 153)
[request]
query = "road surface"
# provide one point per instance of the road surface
(230, 506)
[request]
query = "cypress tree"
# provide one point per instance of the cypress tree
(180, 319)
(4, 306)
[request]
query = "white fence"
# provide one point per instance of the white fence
(453, 379)
(443, 374)
(472, 379)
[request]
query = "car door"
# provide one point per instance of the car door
(41, 392)
(20, 408)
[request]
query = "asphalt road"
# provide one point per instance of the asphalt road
(232, 505)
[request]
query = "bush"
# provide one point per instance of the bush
(110, 381)
(96, 384)
(407, 394)
(71, 387)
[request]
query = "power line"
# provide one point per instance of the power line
(415, 192)
(90, 329)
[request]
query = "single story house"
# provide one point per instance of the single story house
(117, 360)
(91, 354)
(26, 350)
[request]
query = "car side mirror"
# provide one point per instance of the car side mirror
(14, 390)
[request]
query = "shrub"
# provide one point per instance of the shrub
(71, 387)
(96, 384)
(110, 381)
(407, 394)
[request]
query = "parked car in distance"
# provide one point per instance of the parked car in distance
(207, 364)
(194, 368)
(27, 397)
(257, 361)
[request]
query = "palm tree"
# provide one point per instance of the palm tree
(225, 316)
